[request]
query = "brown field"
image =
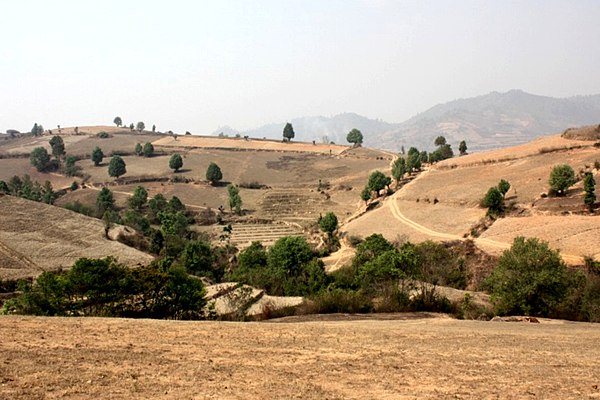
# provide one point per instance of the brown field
(459, 184)
(340, 357)
(47, 238)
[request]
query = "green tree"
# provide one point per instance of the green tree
(503, 187)
(139, 150)
(440, 141)
(176, 162)
(39, 158)
(157, 204)
(148, 150)
(328, 223)
(131, 127)
(213, 173)
(288, 132)
(118, 121)
(462, 148)
(140, 126)
(365, 195)
(97, 156)
(4, 187)
(355, 137)
(413, 160)
(139, 198)
(37, 130)
(235, 201)
(116, 167)
(530, 279)
(58, 146)
(423, 157)
(198, 258)
(398, 169)
(377, 181)
(493, 200)
(561, 178)
(71, 169)
(589, 187)
(176, 205)
(105, 201)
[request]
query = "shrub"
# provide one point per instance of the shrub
(561, 178)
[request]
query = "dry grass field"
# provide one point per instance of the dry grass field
(339, 357)
(46, 238)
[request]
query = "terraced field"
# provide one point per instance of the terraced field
(244, 234)
(293, 204)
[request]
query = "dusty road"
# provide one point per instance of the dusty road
(441, 358)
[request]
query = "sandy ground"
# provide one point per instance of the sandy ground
(405, 358)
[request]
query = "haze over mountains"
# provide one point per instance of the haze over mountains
(490, 121)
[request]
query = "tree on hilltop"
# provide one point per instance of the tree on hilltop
(118, 121)
(140, 126)
(462, 148)
(355, 137)
(288, 132)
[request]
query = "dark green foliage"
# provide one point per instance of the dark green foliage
(462, 148)
(131, 126)
(399, 168)
(97, 156)
(365, 194)
(423, 157)
(116, 167)
(176, 205)
(39, 158)
(288, 132)
(105, 201)
(173, 224)
(328, 223)
(589, 187)
(503, 187)
(37, 130)
(70, 168)
(140, 126)
(29, 189)
(157, 204)
(530, 279)
(102, 287)
(198, 259)
(80, 208)
(4, 187)
(103, 135)
(440, 141)
(137, 221)
(493, 201)
(355, 137)
(139, 198)
(58, 146)
(338, 300)
(441, 153)
(118, 121)
(235, 200)
(176, 162)
(439, 266)
(139, 150)
(148, 150)
(413, 160)
(561, 178)
(378, 181)
(213, 173)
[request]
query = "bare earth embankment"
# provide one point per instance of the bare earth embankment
(414, 357)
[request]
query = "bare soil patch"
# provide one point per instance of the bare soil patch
(436, 358)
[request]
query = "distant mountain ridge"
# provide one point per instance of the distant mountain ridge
(485, 122)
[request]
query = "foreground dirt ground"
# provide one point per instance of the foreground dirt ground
(412, 356)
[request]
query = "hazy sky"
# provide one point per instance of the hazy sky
(197, 65)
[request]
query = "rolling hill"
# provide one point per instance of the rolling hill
(486, 122)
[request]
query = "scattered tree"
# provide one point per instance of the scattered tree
(235, 201)
(440, 141)
(131, 127)
(118, 121)
(176, 162)
(398, 169)
(153, 128)
(139, 198)
(39, 158)
(462, 148)
(328, 223)
(116, 167)
(58, 146)
(493, 200)
(213, 173)
(365, 195)
(37, 130)
(530, 279)
(288, 132)
(139, 150)
(355, 137)
(413, 160)
(503, 187)
(589, 187)
(378, 181)
(105, 201)
(148, 150)
(140, 126)
(97, 156)
(71, 169)
(561, 178)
